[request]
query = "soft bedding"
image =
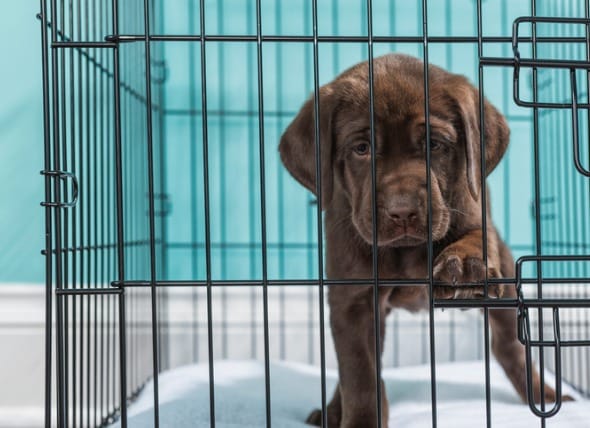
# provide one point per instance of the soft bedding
(295, 391)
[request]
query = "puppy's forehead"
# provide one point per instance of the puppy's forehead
(398, 86)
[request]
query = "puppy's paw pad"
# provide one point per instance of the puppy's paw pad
(449, 269)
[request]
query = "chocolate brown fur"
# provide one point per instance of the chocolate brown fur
(402, 221)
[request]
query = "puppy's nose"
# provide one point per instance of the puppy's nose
(402, 214)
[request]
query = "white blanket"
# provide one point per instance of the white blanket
(295, 391)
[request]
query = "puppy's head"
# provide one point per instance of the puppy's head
(400, 149)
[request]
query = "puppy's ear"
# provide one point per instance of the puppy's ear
(298, 145)
(496, 135)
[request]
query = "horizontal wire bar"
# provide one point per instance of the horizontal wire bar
(512, 303)
(566, 343)
(70, 44)
(336, 282)
(275, 113)
(99, 247)
(239, 245)
(244, 245)
(87, 291)
(130, 38)
(228, 113)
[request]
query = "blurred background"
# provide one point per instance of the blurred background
(21, 216)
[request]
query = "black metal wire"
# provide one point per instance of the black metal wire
(207, 215)
(537, 189)
(430, 246)
(318, 183)
(152, 225)
(267, 391)
(120, 231)
(374, 219)
(484, 226)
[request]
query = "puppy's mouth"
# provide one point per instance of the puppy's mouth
(391, 235)
(406, 240)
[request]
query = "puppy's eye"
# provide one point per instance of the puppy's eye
(436, 145)
(362, 149)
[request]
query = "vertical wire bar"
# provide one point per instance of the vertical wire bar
(109, 216)
(263, 212)
(538, 232)
(62, 80)
(586, 319)
(432, 344)
(137, 199)
(484, 220)
(152, 226)
(222, 181)
(102, 281)
(318, 175)
(207, 213)
(193, 184)
(251, 185)
(310, 212)
(88, 253)
(449, 63)
(48, 215)
(81, 211)
(74, 141)
(57, 222)
(164, 186)
(280, 183)
(375, 248)
(120, 218)
(506, 173)
(572, 185)
(94, 212)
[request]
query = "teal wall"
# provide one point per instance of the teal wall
(233, 129)
(21, 144)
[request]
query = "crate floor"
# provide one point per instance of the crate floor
(295, 389)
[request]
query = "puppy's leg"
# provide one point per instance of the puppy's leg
(352, 323)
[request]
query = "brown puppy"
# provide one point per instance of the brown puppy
(400, 138)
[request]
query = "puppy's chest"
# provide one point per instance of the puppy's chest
(403, 265)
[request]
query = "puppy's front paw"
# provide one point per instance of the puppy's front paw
(315, 418)
(454, 268)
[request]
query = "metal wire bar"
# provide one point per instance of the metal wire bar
(152, 225)
(318, 182)
(267, 391)
(484, 226)
(374, 219)
(129, 38)
(48, 216)
(430, 249)
(207, 215)
(120, 232)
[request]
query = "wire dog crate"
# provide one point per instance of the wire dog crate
(175, 236)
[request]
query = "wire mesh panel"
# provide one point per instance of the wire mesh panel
(176, 236)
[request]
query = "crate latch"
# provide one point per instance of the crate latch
(524, 335)
(62, 175)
